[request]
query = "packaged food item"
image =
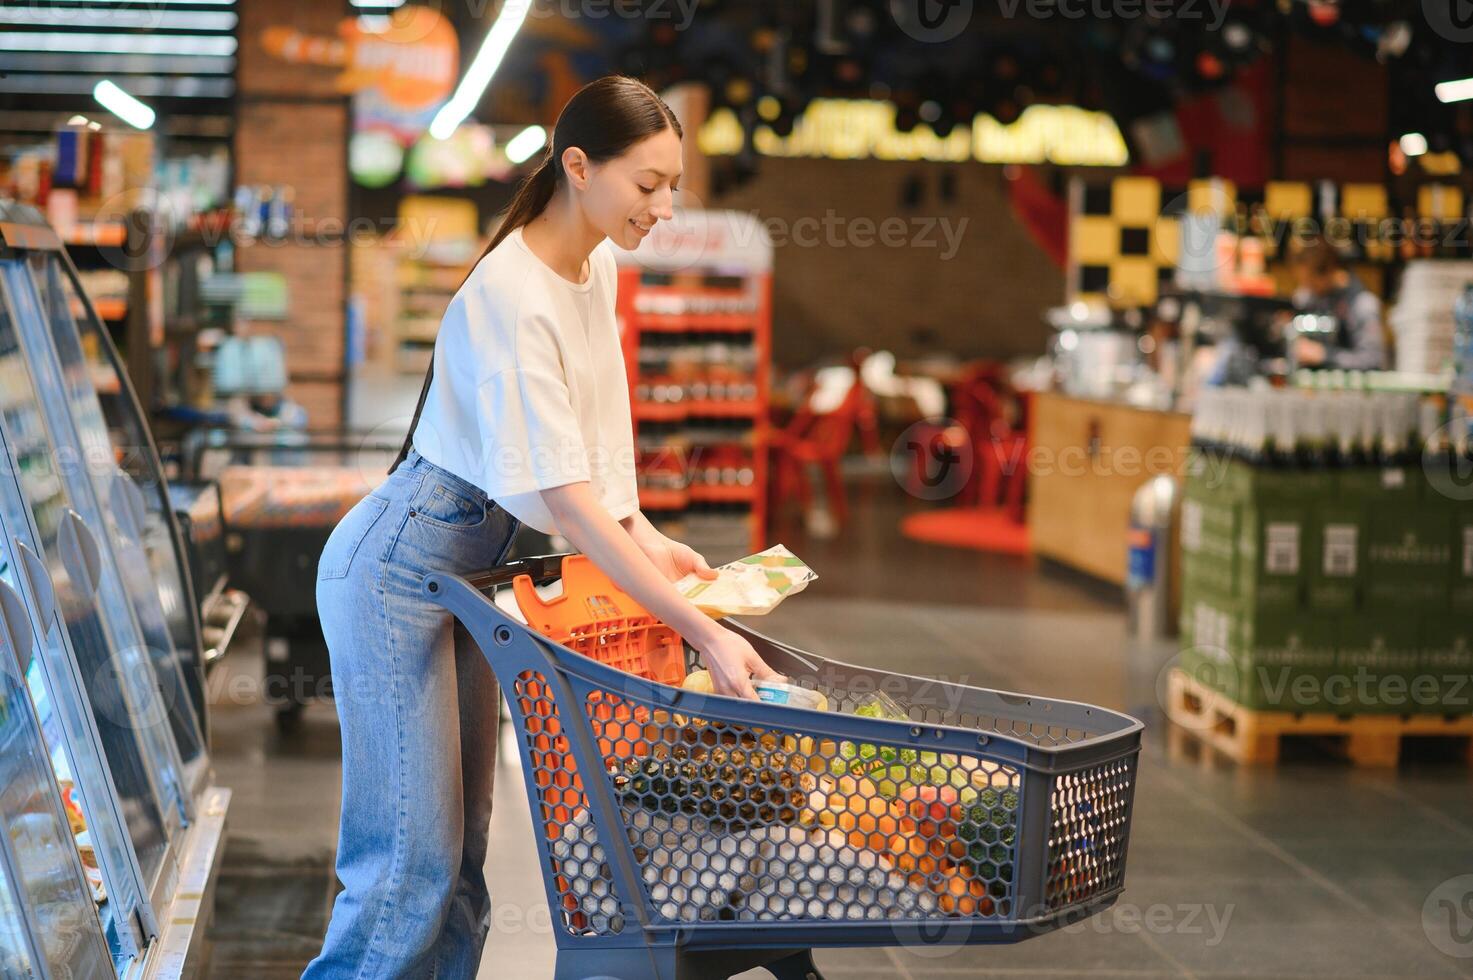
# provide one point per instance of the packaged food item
(778, 692)
(699, 681)
(878, 704)
(89, 865)
(72, 803)
(750, 586)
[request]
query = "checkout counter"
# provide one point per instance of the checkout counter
(1103, 431)
(1090, 456)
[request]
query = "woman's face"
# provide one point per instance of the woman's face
(626, 195)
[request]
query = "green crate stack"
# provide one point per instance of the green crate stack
(1340, 590)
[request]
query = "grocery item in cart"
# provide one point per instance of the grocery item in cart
(778, 692)
(694, 872)
(750, 586)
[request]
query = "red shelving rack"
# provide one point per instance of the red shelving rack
(695, 316)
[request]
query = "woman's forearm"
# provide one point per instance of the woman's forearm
(610, 544)
(638, 526)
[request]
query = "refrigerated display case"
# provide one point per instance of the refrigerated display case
(50, 891)
(16, 959)
(108, 499)
(112, 829)
(87, 350)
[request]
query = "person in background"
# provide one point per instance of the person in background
(1325, 286)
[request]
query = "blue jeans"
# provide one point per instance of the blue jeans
(417, 704)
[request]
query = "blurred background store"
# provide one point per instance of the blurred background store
(1120, 352)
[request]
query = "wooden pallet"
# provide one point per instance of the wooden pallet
(1253, 737)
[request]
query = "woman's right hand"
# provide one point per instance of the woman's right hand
(731, 660)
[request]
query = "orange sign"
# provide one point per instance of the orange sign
(410, 63)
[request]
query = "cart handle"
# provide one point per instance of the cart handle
(542, 568)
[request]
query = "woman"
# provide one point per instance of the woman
(524, 418)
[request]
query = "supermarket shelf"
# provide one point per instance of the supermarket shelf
(657, 292)
(724, 294)
(663, 498)
(675, 411)
(106, 233)
(698, 322)
(107, 309)
(719, 493)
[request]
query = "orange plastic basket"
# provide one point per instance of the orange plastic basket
(596, 618)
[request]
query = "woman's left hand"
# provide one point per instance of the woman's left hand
(673, 559)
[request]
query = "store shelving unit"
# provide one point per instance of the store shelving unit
(695, 316)
(438, 240)
(427, 283)
(120, 266)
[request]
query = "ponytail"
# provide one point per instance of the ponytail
(530, 200)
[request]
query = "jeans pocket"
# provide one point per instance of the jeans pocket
(447, 506)
(343, 543)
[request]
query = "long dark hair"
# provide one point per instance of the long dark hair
(603, 119)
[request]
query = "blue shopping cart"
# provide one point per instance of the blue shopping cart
(689, 836)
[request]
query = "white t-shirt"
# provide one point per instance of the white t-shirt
(529, 391)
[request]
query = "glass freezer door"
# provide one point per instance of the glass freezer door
(46, 862)
(17, 959)
(102, 396)
(70, 401)
(113, 669)
(72, 746)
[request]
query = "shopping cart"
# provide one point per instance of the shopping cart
(688, 836)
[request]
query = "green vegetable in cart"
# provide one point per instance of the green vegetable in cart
(989, 827)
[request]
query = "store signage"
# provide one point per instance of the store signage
(735, 242)
(399, 68)
(858, 129)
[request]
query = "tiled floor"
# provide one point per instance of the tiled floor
(1308, 870)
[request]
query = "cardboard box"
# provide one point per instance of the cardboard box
(1209, 576)
(1271, 556)
(1285, 660)
(1409, 553)
(1378, 661)
(1447, 660)
(1260, 657)
(1460, 574)
(1336, 557)
(1367, 484)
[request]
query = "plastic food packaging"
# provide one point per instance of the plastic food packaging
(878, 704)
(777, 692)
(750, 586)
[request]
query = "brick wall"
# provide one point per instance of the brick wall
(987, 299)
(259, 73)
(292, 130)
(313, 332)
(298, 144)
